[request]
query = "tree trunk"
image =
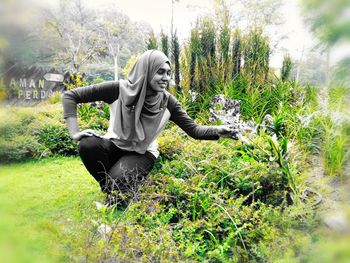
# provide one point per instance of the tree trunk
(328, 77)
(116, 67)
(299, 65)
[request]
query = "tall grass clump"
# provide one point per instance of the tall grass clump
(152, 41)
(175, 51)
(236, 54)
(164, 39)
(203, 55)
(335, 123)
(223, 16)
(327, 123)
(286, 68)
(256, 57)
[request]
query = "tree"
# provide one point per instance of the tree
(115, 29)
(341, 73)
(329, 20)
(264, 14)
(176, 55)
(21, 30)
(223, 18)
(3, 44)
(236, 53)
(165, 43)
(76, 28)
(172, 15)
(310, 71)
(286, 68)
(152, 41)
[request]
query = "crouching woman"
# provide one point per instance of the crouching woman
(140, 106)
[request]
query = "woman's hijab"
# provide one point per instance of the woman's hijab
(137, 115)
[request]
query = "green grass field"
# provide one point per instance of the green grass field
(38, 202)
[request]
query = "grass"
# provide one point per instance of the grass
(38, 201)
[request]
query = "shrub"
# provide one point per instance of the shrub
(335, 145)
(210, 201)
(170, 143)
(94, 116)
(57, 139)
(55, 98)
(256, 103)
(14, 121)
(21, 147)
(286, 68)
(29, 133)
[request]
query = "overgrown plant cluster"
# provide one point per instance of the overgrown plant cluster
(217, 54)
(223, 201)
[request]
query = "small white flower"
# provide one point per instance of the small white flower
(99, 206)
(274, 138)
(244, 139)
(104, 231)
(193, 95)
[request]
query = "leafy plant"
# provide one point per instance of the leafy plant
(57, 139)
(286, 68)
(152, 41)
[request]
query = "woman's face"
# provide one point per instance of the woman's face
(161, 79)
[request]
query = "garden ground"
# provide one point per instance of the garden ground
(41, 201)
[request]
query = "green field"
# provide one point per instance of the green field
(38, 202)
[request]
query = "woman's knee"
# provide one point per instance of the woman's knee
(131, 167)
(124, 179)
(88, 143)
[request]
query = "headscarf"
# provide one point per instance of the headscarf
(137, 115)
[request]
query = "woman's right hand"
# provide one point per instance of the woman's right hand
(85, 133)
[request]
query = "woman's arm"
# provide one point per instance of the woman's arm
(106, 91)
(185, 122)
(201, 132)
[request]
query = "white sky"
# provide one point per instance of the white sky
(158, 14)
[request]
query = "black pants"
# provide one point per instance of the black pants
(114, 169)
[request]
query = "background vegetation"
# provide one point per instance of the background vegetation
(224, 201)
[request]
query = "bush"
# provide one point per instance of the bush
(14, 122)
(170, 144)
(57, 139)
(33, 133)
(94, 116)
(205, 201)
(21, 147)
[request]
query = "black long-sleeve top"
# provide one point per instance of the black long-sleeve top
(109, 92)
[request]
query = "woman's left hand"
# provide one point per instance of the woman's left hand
(227, 132)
